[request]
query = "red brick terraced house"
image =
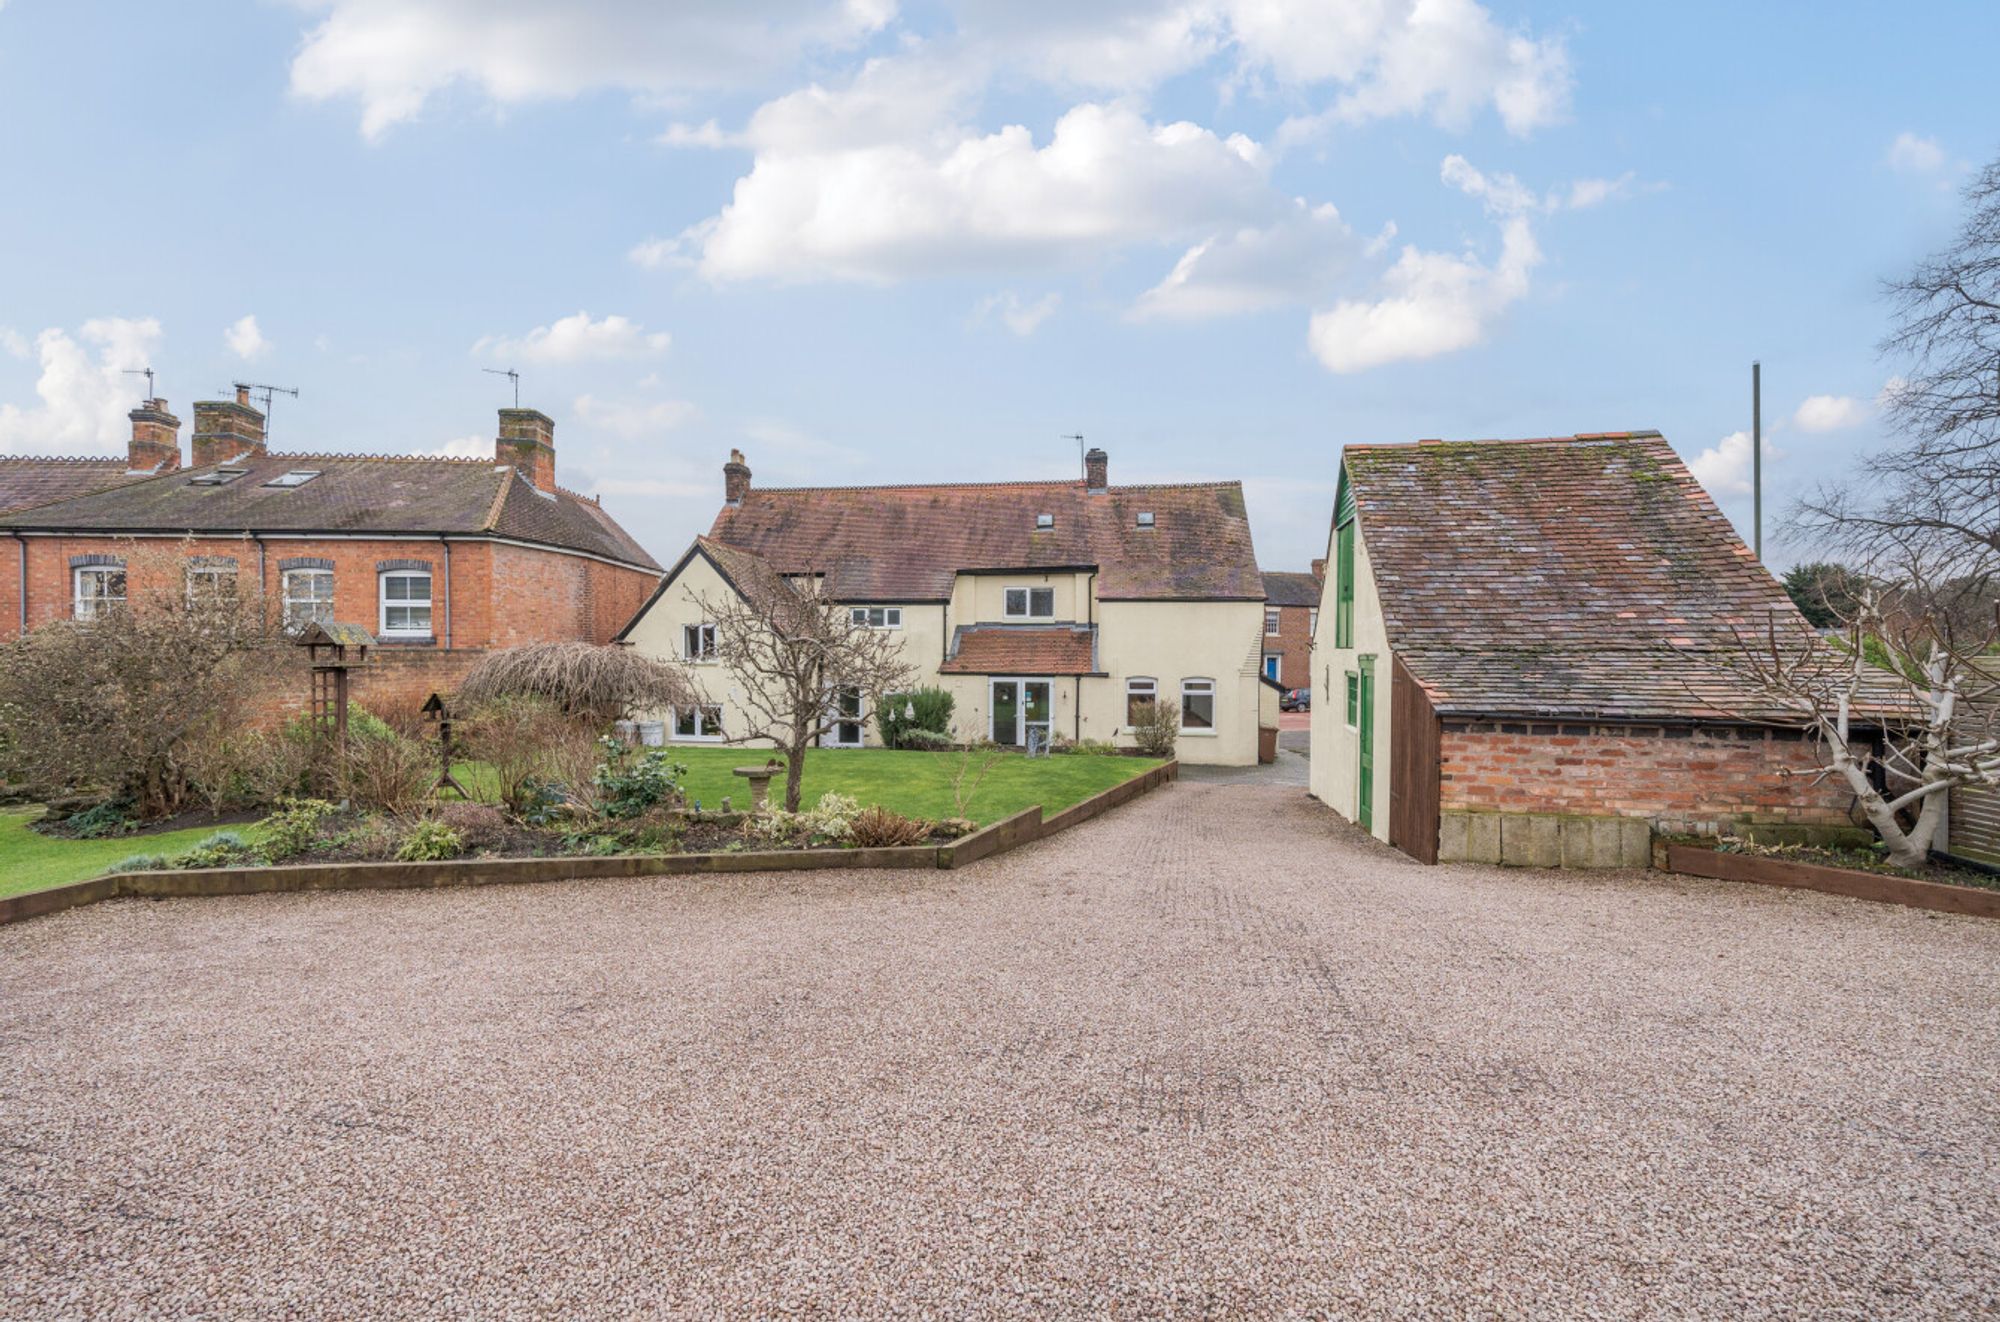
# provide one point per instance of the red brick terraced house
(1518, 656)
(1291, 616)
(441, 559)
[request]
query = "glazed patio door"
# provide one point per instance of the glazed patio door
(1022, 711)
(847, 706)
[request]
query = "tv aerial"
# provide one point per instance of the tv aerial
(512, 376)
(254, 387)
(146, 372)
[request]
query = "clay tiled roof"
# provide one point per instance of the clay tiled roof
(1013, 649)
(1283, 588)
(26, 482)
(906, 543)
(1587, 575)
(352, 494)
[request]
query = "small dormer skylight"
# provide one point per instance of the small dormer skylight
(1145, 518)
(298, 477)
(1043, 522)
(216, 478)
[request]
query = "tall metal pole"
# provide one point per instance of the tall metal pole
(1757, 457)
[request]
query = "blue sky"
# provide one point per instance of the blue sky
(868, 242)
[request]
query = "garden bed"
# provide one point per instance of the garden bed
(1943, 888)
(1008, 833)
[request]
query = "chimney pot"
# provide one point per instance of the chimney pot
(735, 478)
(1096, 470)
(155, 446)
(527, 440)
(226, 429)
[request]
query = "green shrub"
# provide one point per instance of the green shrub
(140, 863)
(929, 741)
(112, 817)
(631, 782)
(898, 715)
(224, 849)
(1094, 747)
(295, 827)
(831, 820)
(430, 842)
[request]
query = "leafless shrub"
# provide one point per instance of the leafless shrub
(1156, 727)
(528, 741)
(389, 772)
(879, 828)
(479, 825)
(587, 682)
(969, 768)
(117, 701)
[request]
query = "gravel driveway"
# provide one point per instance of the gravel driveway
(1213, 1053)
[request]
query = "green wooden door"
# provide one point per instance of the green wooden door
(1364, 797)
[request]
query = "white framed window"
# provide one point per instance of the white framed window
(1030, 604)
(1312, 621)
(1198, 704)
(703, 723)
(406, 603)
(1138, 692)
(99, 588)
(308, 597)
(209, 582)
(697, 642)
(878, 617)
(1273, 622)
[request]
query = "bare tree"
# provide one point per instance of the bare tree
(1937, 494)
(791, 650)
(1907, 674)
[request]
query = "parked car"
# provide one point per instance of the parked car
(1296, 700)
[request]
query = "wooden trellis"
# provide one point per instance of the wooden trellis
(332, 650)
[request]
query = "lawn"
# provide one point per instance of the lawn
(29, 862)
(914, 784)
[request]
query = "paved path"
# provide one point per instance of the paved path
(1291, 770)
(1212, 1054)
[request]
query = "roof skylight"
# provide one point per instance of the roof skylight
(219, 477)
(298, 477)
(1145, 518)
(1044, 521)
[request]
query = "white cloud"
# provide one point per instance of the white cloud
(394, 55)
(1294, 259)
(1586, 193)
(1724, 468)
(1106, 178)
(1434, 303)
(1911, 154)
(244, 339)
(13, 343)
(1504, 195)
(1016, 313)
(708, 133)
(462, 447)
(1829, 413)
(575, 339)
(84, 399)
(632, 421)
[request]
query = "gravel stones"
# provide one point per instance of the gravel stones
(1214, 1052)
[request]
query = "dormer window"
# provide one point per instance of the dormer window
(1029, 604)
(1044, 522)
(298, 477)
(1145, 518)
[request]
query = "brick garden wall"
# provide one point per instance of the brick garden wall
(1670, 775)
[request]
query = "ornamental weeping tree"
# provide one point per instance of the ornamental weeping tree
(789, 649)
(1903, 702)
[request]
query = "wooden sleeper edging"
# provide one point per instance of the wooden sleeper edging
(1009, 833)
(1697, 861)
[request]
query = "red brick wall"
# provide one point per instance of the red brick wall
(500, 596)
(1640, 771)
(1294, 644)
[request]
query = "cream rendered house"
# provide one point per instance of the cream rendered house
(1048, 609)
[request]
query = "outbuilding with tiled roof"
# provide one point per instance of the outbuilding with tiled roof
(1523, 650)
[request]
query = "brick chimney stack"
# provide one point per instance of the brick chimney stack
(1096, 471)
(155, 446)
(735, 479)
(1319, 570)
(227, 429)
(528, 442)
